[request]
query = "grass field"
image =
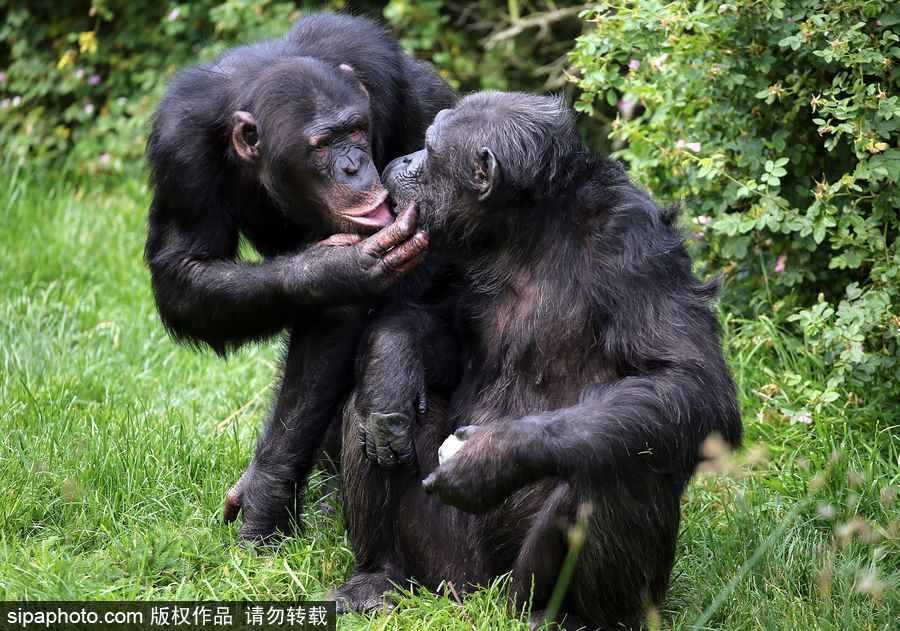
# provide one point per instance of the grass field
(117, 447)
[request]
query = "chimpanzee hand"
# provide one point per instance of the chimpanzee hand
(390, 396)
(350, 266)
(481, 474)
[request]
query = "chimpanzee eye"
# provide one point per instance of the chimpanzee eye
(358, 135)
(321, 149)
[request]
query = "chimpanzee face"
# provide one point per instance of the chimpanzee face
(454, 179)
(485, 164)
(308, 145)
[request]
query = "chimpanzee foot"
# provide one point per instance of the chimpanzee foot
(365, 592)
(267, 502)
(234, 500)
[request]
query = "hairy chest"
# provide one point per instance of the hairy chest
(529, 348)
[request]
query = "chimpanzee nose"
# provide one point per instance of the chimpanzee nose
(355, 161)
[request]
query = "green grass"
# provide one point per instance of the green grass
(117, 447)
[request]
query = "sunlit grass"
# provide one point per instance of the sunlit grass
(117, 446)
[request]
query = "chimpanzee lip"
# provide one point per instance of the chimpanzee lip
(378, 216)
(382, 197)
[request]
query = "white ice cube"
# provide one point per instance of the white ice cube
(448, 448)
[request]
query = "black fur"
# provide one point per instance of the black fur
(277, 194)
(589, 374)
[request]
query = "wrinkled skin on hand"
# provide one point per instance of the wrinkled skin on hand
(371, 265)
(482, 474)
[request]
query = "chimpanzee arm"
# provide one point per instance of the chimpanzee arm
(403, 355)
(204, 295)
(653, 422)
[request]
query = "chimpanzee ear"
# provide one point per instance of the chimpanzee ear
(487, 173)
(245, 136)
(348, 70)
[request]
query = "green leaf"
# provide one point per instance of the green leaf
(819, 233)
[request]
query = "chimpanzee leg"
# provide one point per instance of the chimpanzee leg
(318, 374)
(370, 497)
(627, 548)
(543, 551)
(329, 462)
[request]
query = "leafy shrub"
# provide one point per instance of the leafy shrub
(80, 81)
(778, 122)
(489, 44)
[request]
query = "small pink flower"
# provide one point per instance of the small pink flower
(4, 104)
(659, 61)
(623, 105)
(104, 158)
(94, 79)
(805, 418)
(174, 14)
(703, 220)
(780, 262)
(790, 20)
(2, 77)
(17, 100)
(693, 146)
(88, 108)
(634, 64)
(79, 73)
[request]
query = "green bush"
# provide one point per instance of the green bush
(79, 81)
(778, 123)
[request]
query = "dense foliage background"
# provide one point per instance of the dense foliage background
(80, 79)
(779, 123)
(774, 123)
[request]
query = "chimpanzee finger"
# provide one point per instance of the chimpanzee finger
(406, 456)
(386, 458)
(423, 404)
(341, 239)
(409, 216)
(407, 267)
(403, 255)
(393, 235)
(362, 438)
(433, 481)
(465, 432)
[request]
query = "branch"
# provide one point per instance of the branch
(540, 20)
